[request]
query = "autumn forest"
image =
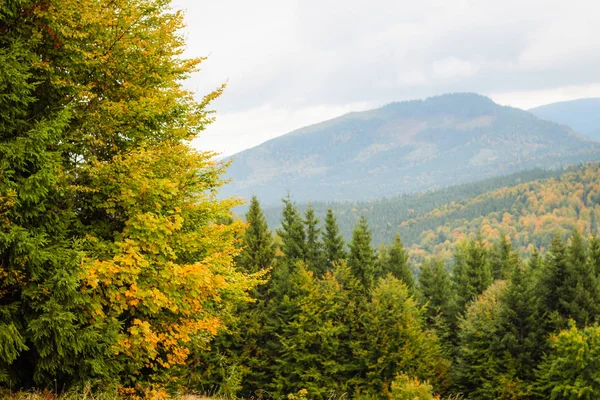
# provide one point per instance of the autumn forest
(126, 273)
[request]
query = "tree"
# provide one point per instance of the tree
(119, 265)
(257, 242)
(314, 247)
(396, 263)
(292, 233)
(472, 270)
(438, 297)
(503, 259)
(479, 357)
(333, 242)
(571, 369)
(362, 256)
(394, 339)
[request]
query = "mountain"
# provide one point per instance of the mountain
(529, 206)
(582, 115)
(404, 147)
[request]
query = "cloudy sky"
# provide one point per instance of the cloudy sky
(292, 63)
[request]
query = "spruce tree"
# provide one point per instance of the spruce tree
(438, 297)
(396, 263)
(520, 337)
(257, 242)
(503, 259)
(583, 303)
(292, 233)
(362, 260)
(595, 255)
(314, 247)
(472, 270)
(333, 242)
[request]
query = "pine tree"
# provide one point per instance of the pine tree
(333, 242)
(292, 233)
(362, 260)
(314, 247)
(257, 242)
(396, 263)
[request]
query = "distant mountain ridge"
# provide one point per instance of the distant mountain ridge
(404, 147)
(582, 115)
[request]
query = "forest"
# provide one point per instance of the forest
(336, 320)
(124, 274)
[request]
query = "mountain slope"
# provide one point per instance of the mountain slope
(530, 207)
(582, 115)
(402, 148)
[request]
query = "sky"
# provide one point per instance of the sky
(288, 64)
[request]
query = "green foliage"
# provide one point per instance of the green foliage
(396, 263)
(292, 233)
(333, 242)
(314, 247)
(472, 270)
(362, 256)
(257, 242)
(571, 369)
(407, 388)
(395, 339)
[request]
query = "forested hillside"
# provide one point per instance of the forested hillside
(405, 147)
(335, 321)
(529, 207)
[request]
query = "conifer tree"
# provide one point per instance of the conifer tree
(333, 242)
(503, 259)
(583, 302)
(595, 255)
(314, 247)
(394, 339)
(362, 260)
(258, 250)
(472, 270)
(292, 233)
(478, 361)
(520, 338)
(438, 296)
(396, 263)
(569, 283)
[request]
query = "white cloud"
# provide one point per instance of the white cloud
(282, 58)
(534, 98)
(452, 68)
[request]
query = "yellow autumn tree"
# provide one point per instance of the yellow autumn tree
(154, 243)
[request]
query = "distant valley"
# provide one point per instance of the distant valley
(405, 147)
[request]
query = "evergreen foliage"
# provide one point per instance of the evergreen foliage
(362, 259)
(257, 242)
(333, 242)
(314, 247)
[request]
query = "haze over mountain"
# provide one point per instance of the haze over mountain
(402, 148)
(581, 115)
